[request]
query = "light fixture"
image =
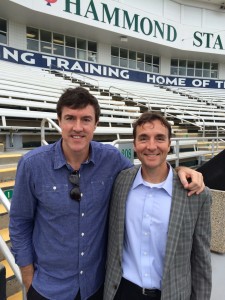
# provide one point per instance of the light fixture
(123, 38)
(57, 41)
(47, 47)
(31, 35)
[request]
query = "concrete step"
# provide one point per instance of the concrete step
(2, 209)
(219, 148)
(188, 134)
(17, 296)
(4, 217)
(7, 184)
(4, 230)
(178, 127)
(179, 130)
(209, 155)
(6, 158)
(207, 145)
(7, 172)
(7, 167)
(5, 234)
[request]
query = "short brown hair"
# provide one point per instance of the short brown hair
(77, 98)
(148, 117)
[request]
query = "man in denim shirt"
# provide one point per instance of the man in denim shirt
(59, 210)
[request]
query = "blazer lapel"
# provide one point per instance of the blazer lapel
(179, 198)
(126, 185)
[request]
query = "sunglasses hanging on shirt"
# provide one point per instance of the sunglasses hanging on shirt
(75, 193)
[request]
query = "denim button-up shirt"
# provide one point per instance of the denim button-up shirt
(63, 238)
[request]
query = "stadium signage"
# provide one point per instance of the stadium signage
(208, 40)
(141, 24)
(122, 19)
(82, 67)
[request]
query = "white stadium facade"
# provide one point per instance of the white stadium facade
(161, 55)
(178, 43)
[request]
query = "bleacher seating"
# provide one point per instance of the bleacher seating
(28, 98)
(173, 102)
(28, 94)
(209, 118)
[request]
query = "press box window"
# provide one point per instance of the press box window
(3, 31)
(193, 68)
(123, 58)
(32, 39)
(126, 58)
(59, 44)
(70, 44)
(92, 51)
(81, 49)
(140, 61)
(46, 41)
(132, 59)
(115, 56)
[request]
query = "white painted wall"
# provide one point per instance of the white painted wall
(221, 70)
(186, 12)
(172, 11)
(186, 18)
(165, 65)
(104, 54)
(151, 6)
(17, 35)
(189, 16)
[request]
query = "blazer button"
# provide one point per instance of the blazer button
(115, 286)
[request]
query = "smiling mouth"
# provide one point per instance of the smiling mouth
(76, 137)
(152, 155)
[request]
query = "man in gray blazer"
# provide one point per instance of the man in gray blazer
(159, 238)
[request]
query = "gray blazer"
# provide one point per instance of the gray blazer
(187, 266)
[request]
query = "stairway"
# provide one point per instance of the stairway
(8, 165)
(204, 145)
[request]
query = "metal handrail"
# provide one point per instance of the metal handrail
(6, 251)
(202, 127)
(191, 93)
(131, 95)
(51, 123)
(57, 69)
(72, 75)
(183, 119)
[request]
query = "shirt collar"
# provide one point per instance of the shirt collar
(167, 185)
(60, 161)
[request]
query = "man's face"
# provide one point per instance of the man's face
(152, 145)
(78, 127)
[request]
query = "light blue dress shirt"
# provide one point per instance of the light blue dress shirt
(146, 225)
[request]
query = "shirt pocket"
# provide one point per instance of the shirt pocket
(55, 198)
(101, 190)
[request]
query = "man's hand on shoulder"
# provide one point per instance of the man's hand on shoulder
(191, 180)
